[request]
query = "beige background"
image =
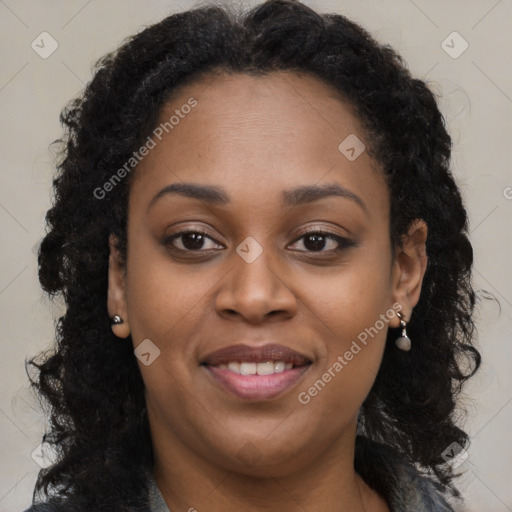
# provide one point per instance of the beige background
(476, 99)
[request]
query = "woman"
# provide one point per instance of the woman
(266, 269)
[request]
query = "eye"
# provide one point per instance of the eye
(194, 240)
(190, 240)
(318, 240)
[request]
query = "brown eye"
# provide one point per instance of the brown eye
(190, 240)
(317, 241)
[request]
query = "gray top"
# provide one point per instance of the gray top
(156, 500)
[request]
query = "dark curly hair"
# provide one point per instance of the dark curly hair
(92, 384)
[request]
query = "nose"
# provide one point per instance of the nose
(256, 291)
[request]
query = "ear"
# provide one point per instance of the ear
(116, 296)
(409, 267)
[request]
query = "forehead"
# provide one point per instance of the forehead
(256, 135)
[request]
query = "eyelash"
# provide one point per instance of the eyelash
(344, 243)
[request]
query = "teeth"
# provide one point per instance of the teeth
(267, 368)
(279, 366)
(234, 367)
(248, 368)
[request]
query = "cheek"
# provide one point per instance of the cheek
(165, 306)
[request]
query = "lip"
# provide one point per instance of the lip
(256, 387)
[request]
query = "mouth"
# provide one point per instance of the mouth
(256, 373)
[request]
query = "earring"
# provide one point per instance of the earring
(119, 328)
(403, 342)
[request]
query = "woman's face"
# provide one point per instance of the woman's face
(266, 151)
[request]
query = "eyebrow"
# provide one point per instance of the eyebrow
(292, 197)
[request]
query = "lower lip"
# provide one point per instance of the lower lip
(257, 387)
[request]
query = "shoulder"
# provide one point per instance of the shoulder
(53, 507)
(416, 491)
(70, 507)
(148, 501)
(76, 504)
(44, 507)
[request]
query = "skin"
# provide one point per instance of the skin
(256, 137)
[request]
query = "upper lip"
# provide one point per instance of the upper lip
(246, 353)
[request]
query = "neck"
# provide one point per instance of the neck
(328, 483)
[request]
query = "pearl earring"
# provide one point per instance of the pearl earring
(403, 342)
(119, 328)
